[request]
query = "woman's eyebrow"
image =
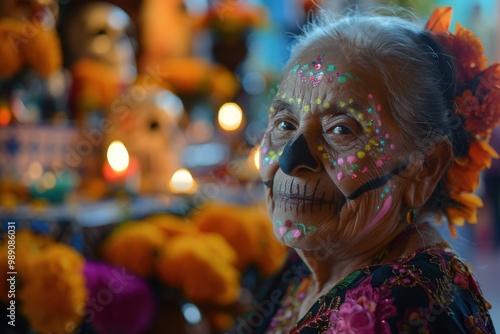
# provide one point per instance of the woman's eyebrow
(279, 105)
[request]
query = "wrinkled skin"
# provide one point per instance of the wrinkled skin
(338, 183)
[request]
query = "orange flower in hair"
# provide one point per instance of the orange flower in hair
(477, 106)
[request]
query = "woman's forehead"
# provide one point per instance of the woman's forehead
(318, 78)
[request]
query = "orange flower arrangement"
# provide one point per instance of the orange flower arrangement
(201, 265)
(51, 285)
(40, 49)
(134, 246)
(53, 293)
(247, 230)
(478, 105)
(230, 16)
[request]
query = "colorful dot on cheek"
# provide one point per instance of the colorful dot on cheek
(320, 148)
(379, 123)
(271, 109)
(361, 154)
(299, 100)
(306, 108)
(296, 233)
(283, 95)
(318, 101)
(370, 96)
(326, 155)
(379, 163)
(393, 146)
(288, 223)
(341, 104)
(360, 117)
(353, 176)
(330, 68)
(370, 110)
(291, 100)
(379, 107)
(387, 136)
(340, 175)
(282, 230)
(327, 105)
(367, 147)
(351, 159)
(340, 161)
(365, 169)
(264, 150)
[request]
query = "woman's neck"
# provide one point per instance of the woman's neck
(335, 264)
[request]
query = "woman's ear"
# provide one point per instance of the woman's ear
(424, 172)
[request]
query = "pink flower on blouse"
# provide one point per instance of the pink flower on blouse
(363, 312)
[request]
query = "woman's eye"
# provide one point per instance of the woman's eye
(286, 126)
(341, 130)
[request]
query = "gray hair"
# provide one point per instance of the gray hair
(415, 69)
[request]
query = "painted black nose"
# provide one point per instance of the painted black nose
(296, 154)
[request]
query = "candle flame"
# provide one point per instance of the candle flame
(182, 182)
(118, 157)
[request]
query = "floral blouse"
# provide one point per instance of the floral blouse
(429, 291)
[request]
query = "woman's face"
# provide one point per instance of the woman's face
(330, 157)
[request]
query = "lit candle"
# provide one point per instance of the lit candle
(121, 168)
(182, 183)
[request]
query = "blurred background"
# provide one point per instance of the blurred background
(127, 123)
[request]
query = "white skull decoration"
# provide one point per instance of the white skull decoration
(149, 129)
(101, 31)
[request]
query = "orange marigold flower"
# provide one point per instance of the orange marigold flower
(466, 210)
(467, 103)
(234, 224)
(461, 177)
(489, 116)
(43, 52)
(53, 294)
(172, 225)
(27, 243)
(201, 266)
(469, 53)
(11, 37)
(134, 246)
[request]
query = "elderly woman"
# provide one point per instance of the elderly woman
(366, 135)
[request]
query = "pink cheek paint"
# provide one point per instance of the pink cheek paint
(383, 211)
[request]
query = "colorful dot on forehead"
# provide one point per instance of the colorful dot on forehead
(318, 101)
(307, 108)
(342, 104)
(327, 105)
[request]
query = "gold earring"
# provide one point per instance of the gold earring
(410, 216)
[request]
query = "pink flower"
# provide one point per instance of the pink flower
(362, 311)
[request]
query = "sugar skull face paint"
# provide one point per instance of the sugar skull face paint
(330, 154)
